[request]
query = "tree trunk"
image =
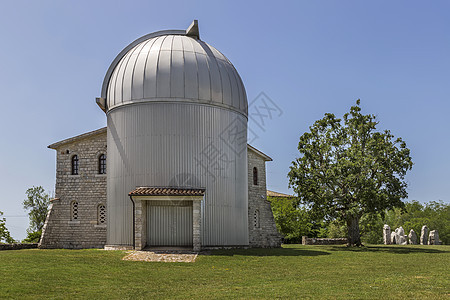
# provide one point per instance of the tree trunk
(353, 236)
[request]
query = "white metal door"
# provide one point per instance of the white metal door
(169, 223)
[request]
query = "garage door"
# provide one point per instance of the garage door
(169, 223)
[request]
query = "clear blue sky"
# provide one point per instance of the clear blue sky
(309, 57)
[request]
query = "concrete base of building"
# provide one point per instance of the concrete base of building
(118, 247)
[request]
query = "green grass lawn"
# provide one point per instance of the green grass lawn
(295, 271)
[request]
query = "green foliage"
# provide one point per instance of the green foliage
(371, 228)
(37, 202)
(347, 169)
(5, 236)
(435, 215)
(292, 221)
(33, 237)
(337, 229)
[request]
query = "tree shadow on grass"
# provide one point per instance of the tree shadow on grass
(389, 249)
(268, 252)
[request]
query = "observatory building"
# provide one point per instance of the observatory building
(172, 168)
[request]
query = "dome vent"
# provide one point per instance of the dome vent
(173, 66)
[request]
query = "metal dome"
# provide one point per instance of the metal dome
(173, 66)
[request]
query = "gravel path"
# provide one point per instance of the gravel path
(160, 256)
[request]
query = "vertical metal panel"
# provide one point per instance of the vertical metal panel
(163, 75)
(137, 91)
(112, 87)
(128, 73)
(177, 75)
(216, 52)
(187, 44)
(119, 81)
(169, 225)
(204, 82)
(167, 44)
(177, 44)
(240, 90)
(235, 91)
(198, 46)
(216, 81)
(152, 144)
(151, 67)
(190, 76)
(226, 85)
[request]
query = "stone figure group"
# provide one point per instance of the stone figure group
(398, 236)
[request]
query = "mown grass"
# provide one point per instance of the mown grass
(295, 271)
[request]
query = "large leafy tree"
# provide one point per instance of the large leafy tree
(347, 169)
(37, 203)
(5, 236)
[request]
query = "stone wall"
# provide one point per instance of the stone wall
(88, 188)
(261, 224)
(17, 246)
(323, 241)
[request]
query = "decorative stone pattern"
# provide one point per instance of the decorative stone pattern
(261, 224)
(87, 189)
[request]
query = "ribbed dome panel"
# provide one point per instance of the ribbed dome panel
(176, 68)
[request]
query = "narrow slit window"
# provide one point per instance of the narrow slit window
(255, 176)
(102, 164)
(75, 165)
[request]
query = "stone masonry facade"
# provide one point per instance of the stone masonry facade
(261, 224)
(88, 190)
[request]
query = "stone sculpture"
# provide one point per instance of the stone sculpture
(433, 238)
(403, 237)
(387, 234)
(412, 237)
(424, 235)
(400, 236)
(393, 238)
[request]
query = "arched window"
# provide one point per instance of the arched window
(101, 214)
(75, 165)
(255, 176)
(74, 210)
(256, 219)
(102, 164)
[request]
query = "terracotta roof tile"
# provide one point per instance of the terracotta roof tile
(275, 194)
(165, 191)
